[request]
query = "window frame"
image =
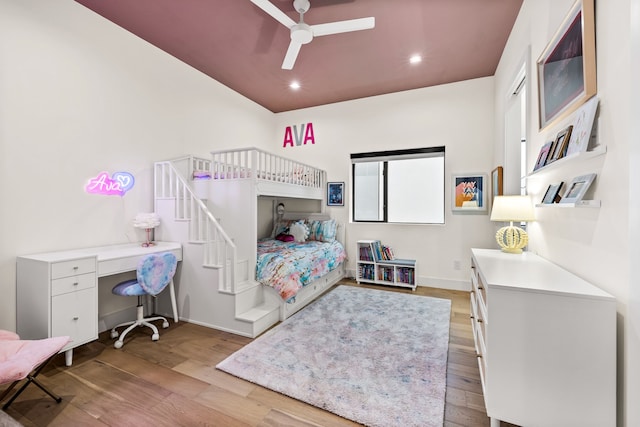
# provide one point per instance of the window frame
(384, 157)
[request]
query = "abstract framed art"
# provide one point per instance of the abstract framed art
(469, 193)
(335, 193)
(567, 66)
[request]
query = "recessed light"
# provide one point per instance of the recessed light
(294, 85)
(415, 59)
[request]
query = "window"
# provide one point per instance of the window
(401, 186)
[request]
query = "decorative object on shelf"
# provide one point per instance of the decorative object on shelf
(560, 144)
(512, 208)
(567, 66)
(544, 154)
(147, 221)
(335, 193)
(582, 127)
(469, 193)
(553, 193)
(496, 182)
(577, 188)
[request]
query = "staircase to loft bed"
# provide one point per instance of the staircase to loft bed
(216, 287)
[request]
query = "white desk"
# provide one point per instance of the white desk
(57, 291)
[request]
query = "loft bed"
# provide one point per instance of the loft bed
(293, 273)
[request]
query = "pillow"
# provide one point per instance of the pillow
(299, 231)
(323, 231)
(285, 237)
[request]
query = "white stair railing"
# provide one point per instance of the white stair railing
(253, 163)
(219, 249)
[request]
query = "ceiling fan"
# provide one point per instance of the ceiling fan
(302, 33)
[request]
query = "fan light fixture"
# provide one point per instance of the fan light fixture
(302, 33)
(415, 59)
(509, 209)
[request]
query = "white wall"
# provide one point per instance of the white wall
(79, 95)
(591, 243)
(458, 116)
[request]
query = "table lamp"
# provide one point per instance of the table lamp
(147, 221)
(509, 209)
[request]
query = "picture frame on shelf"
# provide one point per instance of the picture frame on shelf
(567, 66)
(469, 193)
(335, 193)
(583, 122)
(543, 155)
(577, 188)
(560, 145)
(496, 182)
(552, 195)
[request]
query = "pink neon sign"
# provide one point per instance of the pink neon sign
(116, 185)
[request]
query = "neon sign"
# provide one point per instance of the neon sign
(116, 185)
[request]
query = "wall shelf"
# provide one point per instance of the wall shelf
(580, 204)
(597, 151)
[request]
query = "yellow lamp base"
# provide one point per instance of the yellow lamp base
(512, 239)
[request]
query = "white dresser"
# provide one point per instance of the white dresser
(546, 342)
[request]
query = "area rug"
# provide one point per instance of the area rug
(375, 357)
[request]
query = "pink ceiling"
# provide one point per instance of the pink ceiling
(242, 47)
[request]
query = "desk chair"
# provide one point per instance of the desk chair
(154, 273)
(20, 359)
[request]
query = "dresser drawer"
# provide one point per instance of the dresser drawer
(73, 283)
(73, 267)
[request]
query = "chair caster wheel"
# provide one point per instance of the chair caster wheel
(165, 325)
(114, 334)
(155, 337)
(118, 344)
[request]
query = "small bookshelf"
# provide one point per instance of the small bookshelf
(377, 264)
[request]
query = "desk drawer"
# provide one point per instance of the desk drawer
(73, 284)
(75, 314)
(73, 267)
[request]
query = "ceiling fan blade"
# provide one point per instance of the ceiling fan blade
(292, 54)
(343, 26)
(276, 13)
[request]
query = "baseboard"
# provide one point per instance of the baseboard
(432, 282)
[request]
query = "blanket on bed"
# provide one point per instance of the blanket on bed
(288, 266)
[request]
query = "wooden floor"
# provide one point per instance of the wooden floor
(174, 382)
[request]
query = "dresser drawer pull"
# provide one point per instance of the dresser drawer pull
(76, 318)
(75, 283)
(75, 267)
(480, 320)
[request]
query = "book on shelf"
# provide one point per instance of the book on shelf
(382, 253)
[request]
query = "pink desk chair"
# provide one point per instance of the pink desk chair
(20, 359)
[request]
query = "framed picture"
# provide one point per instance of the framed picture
(577, 188)
(553, 194)
(582, 127)
(560, 145)
(335, 193)
(496, 182)
(469, 193)
(542, 157)
(567, 66)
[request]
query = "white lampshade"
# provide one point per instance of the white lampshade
(512, 208)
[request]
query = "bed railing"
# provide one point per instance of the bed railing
(219, 249)
(253, 163)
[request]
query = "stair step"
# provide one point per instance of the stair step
(256, 313)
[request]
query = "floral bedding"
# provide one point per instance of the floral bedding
(288, 266)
